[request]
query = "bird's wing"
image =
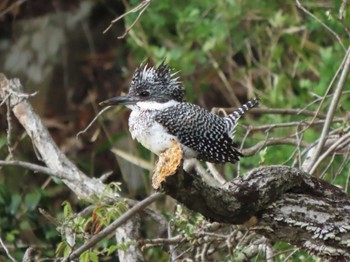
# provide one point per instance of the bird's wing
(201, 131)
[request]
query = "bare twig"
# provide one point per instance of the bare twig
(326, 94)
(133, 159)
(294, 123)
(224, 80)
(319, 20)
(13, 6)
(172, 247)
(6, 250)
(111, 228)
(330, 113)
(9, 130)
(274, 111)
(215, 173)
(329, 150)
(316, 114)
(142, 6)
(272, 141)
(92, 121)
(35, 168)
(344, 162)
(162, 241)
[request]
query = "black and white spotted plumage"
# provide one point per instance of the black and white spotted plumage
(160, 115)
(201, 131)
(208, 134)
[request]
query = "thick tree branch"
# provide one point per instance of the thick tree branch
(289, 206)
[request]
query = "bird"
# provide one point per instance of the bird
(160, 115)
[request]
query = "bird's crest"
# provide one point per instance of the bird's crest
(160, 80)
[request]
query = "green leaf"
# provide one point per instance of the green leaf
(111, 249)
(60, 248)
(16, 200)
(11, 236)
(262, 154)
(93, 256)
(67, 251)
(67, 209)
(31, 200)
(88, 256)
(278, 19)
(84, 257)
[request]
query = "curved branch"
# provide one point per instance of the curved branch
(288, 204)
(272, 141)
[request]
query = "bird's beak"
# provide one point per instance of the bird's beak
(119, 100)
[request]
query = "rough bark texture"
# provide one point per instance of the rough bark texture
(128, 233)
(289, 206)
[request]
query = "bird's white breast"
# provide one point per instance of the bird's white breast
(150, 133)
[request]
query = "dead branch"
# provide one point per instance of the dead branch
(142, 6)
(47, 150)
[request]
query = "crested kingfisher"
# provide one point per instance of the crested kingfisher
(160, 115)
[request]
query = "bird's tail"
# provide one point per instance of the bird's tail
(233, 118)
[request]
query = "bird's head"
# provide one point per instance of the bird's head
(151, 84)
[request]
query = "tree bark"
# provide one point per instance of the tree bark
(128, 234)
(288, 204)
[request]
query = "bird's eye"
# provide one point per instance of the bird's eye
(144, 93)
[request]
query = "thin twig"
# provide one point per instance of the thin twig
(325, 170)
(127, 30)
(162, 241)
(319, 20)
(274, 111)
(13, 6)
(9, 129)
(172, 247)
(224, 80)
(329, 150)
(294, 123)
(92, 121)
(347, 182)
(215, 173)
(111, 228)
(330, 113)
(6, 250)
(343, 164)
(326, 94)
(35, 168)
(143, 5)
(135, 160)
(272, 141)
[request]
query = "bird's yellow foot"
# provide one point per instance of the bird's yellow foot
(167, 164)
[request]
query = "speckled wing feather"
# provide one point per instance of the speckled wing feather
(201, 131)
